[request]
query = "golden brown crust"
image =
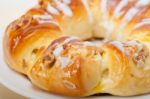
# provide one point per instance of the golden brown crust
(23, 33)
(41, 45)
(71, 73)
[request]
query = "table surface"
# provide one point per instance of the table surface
(5, 93)
(10, 10)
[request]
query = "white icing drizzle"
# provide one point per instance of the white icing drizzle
(88, 43)
(139, 46)
(65, 61)
(104, 6)
(49, 21)
(43, 17)
(135, 43)
(16, 41)
(128, 17)
(57, 51)
(93, 43)
(69, 84)
(146, 62)
(122, 4)
(119, 45)
(64, 7)
(142, 3)
(98, 43)
(146, 19)
(108, 25)
(67, 1)
(132, 12)
(69, 39)
(144, 22)
(52, 10)
(132, 43)
(87, 6)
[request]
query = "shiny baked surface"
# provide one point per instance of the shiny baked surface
(29, 46)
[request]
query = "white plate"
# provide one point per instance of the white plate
(9, 10)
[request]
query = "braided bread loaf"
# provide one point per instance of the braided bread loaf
(48, 45)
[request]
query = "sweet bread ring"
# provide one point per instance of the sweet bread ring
(48, 45)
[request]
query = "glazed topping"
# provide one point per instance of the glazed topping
(136, 44)
(86, 43)
(70, 39)
(131, 12)
(16, 41)
(42, 17)
(63, 6)
(117, 11)
(57, 51)
(48, 60)
(124, 11)
(64, 60)
(142, 23)
(105, 18)
(133, 49)
(69, 84)
(22, 23)
(140, 57)
(61, 47)
(87, 7)
(119, 45)
(52, 10)
(45, 18)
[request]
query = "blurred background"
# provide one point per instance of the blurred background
(10, 10)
